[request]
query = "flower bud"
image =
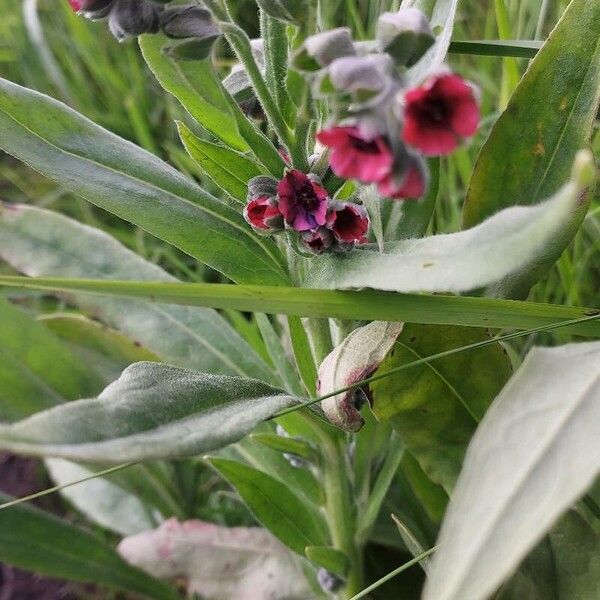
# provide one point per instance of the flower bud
(264, 215)
(405, 35)
(130, 18)
(317, 240)
(262, 186)
(189, 21)
(292, 11)
(349, 223)
(322, 49)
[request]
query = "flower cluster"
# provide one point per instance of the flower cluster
(129, 18)
(384, 122)
(299, 203)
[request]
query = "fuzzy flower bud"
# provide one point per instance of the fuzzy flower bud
(321, 49)
(129, 18)
(405, 35)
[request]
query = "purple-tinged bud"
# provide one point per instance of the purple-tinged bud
(349, 223)
(317, 240)
(130, 18)
(262, 186)
(321, 49)
(92, 9)
(405, 35)
(363, 76)
(190, 21)
(264, 215)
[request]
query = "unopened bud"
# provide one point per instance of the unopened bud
(130, 18)
(188, 22)
(322, 49)
(405, 35)
(262, 186)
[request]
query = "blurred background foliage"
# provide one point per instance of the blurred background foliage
(43, 45)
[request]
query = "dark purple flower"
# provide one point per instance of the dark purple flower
(263, 214)
(317, 240)
(302, 201)
(439, 114)
(354, 156)
(349, 223)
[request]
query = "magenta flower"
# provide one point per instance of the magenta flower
(263, 214)
(302, 201)
(355, 156)
(349, 223)
(411, 184)
(439, 114)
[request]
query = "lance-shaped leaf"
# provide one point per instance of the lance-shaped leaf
(37, 370)
(40, 242)
(196, 86)
(549, 118)
(218, 563)
(507, 243)
(103, 501)
(151, 411)
(37, 541)
(355, 358)
(535, 452)
(435, 407)
(133, 184)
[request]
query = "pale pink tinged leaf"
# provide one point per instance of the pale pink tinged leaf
(219, 563)
(357, 357)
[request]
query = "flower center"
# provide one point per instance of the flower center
(305, 196)
(434, 110)
(364, 146)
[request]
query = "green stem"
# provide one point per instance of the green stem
(340, 511)
(240, 43)
(319, 335)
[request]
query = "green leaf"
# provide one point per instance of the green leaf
(101, 500)
(364, 305)
(228, 169)
(283, 513)
(531, 148)
(509, 242)
(152, 411)
(516, 48)
(332, 559)
(285, 445)
(565, 565)
(198, 89)
(436, 407)
(534, 454)
(34, 540)
(37, 370)
(40, 242)
(107, 349)
(134, 185)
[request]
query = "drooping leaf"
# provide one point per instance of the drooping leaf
(133, 184)
(530, 150)
(228, 169)
(40, 242)
(357, 357)
(436, 407)
(534, 454)
(37, 370)
(505, 244)
(152, 411)
(275, 506)
(104, 502)
(34, 540)
(219, 563)
(196, 86)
